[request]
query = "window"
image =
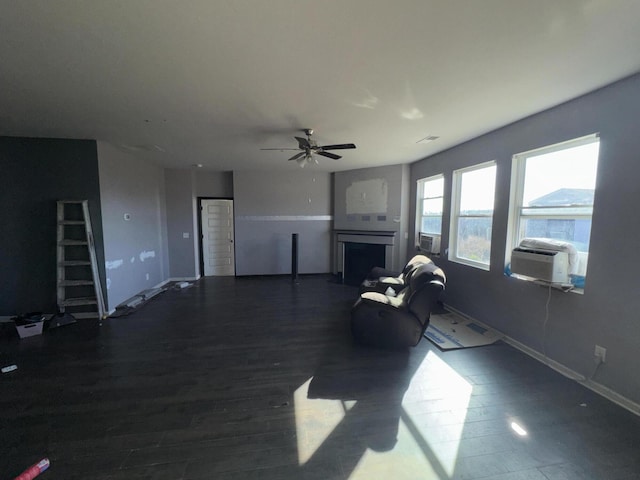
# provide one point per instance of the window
(552, 195)
(472, 215)
(429, 205)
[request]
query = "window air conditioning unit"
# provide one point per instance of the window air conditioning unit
(429, 243)
(547, 265)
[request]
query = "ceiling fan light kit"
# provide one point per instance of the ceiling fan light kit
(309, 148)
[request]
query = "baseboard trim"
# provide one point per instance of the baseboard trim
(596, 387)
(183, 279)
(77, 315)
(162, 284)
(8, 318)
(176, 279)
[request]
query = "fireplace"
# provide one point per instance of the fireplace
(361, 250)
(359, 259)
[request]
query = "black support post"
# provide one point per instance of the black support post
(294, 257)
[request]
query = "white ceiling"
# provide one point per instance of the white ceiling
(212, 81)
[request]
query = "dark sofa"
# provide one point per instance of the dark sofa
(398, 320)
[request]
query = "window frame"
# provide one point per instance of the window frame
(456, 197)
(518, 177)
(420, 197)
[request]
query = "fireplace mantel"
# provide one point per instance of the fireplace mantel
(376, 237)
(384, 237)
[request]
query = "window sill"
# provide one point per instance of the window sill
(470, 263)
(563, 287)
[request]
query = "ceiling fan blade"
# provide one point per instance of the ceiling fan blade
(341, 146)
(298, 155)
(303, 142)
(328, 154)
(281, 149)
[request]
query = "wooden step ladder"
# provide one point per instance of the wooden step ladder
(79, 290)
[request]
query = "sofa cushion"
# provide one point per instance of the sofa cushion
(380, 278)
(382, 298)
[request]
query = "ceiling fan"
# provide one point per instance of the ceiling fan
(309, 148)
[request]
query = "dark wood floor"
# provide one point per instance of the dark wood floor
(257, 378)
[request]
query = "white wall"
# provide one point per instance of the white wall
(607, 313)
(136, 249)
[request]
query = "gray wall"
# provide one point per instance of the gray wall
(607, 313)
(36, 173)
(213, 184)
(180, 198)
(135, 249)
(183, 186)
(394, 209)
(269, 207)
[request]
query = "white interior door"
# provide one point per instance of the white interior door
(217, 237)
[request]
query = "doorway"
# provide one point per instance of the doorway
(217, 237)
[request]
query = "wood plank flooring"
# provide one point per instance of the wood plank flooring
(257, 378)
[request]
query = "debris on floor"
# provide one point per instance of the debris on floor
(9, 368)
(60, 319)
(29, 324)
(133, 303)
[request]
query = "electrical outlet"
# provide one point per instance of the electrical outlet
(600, 353)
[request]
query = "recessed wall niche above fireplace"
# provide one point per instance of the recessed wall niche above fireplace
(361, 250)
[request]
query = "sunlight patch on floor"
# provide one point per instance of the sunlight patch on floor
(518, 429)
(436, 406)
(403, 462)
(315, 420)
(430, 427)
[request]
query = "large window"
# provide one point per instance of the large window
(553, 189)
(429, 211)
(472, 215)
